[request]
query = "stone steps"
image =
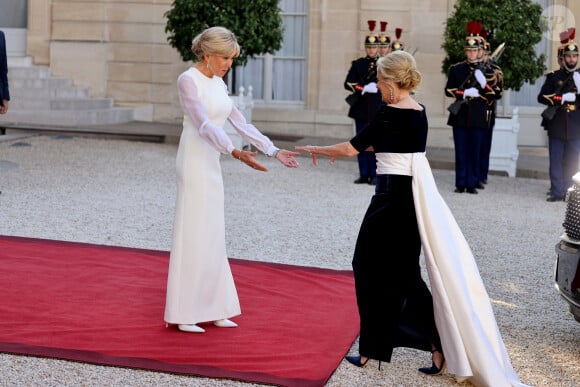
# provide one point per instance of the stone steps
(37, 98)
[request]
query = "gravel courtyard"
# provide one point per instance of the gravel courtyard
(119, 192)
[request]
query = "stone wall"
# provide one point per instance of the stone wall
(119, 49)
(116, 48)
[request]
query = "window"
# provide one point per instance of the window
(528, 94)
(281, 78)
(14, 14)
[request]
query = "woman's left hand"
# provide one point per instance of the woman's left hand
(312, 149)
(287, 158)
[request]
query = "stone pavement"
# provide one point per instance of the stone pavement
(532, 161)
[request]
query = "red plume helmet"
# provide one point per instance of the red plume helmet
(384, 38)
(372, 39)
(397, 45)
(570, 47)
(473, 40)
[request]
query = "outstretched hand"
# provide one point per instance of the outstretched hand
(286, 157)
(248, 159)
(313, 150)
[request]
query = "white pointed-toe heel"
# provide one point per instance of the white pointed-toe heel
(191, 328)
(225, 323)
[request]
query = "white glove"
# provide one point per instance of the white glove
(370, 88)
(568, 97)
(471, 92)
(576, 77)
(480, 78)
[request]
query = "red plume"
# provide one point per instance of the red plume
(571, 33)
(564, 37)
(372, 24)
(484, 33)
(474, 27)
(383, 26)
(398, 32)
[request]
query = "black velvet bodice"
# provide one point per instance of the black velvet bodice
(394, 130)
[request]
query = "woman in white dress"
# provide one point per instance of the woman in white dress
(200, 286)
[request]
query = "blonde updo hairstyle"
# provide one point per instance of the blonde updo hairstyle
(215, 41)
(400, 68)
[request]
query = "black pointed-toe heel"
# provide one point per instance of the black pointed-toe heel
(356, 361)
(434, 370)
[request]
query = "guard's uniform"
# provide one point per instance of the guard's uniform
(494, 77)
(363, 71)
(563, 131)
(471, 121)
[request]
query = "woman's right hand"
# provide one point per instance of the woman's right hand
(248, 159)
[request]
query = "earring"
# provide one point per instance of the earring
(207, 65)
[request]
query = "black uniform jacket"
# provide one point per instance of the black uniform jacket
(566, 123)
(474, 112)
(362, 72)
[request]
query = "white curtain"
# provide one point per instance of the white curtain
(282, 77)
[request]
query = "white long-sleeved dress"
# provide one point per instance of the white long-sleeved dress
(200, 285)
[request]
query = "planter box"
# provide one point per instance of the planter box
(504, 146)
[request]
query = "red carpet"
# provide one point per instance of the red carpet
(104, 305)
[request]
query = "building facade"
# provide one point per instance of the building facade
(119, 49)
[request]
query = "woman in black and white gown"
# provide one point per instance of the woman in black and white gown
(396, 309)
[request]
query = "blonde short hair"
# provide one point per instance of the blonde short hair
(399, 67)
(215, 41)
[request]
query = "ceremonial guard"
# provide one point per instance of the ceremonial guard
(364, 100)
(494, 78)
(562, 120)
(384, 40)
(468, 116)
(397, 45)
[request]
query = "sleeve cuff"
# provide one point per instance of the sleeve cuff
(231, 148)
(272, 150)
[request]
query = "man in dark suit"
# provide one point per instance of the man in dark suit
(4, 93)
(559, 92)
(467, 83)
(365, 100)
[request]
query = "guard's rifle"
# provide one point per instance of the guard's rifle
(493, 58)
(496, 54)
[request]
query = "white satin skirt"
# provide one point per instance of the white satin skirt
(470, 337)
